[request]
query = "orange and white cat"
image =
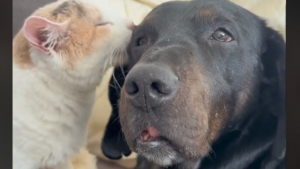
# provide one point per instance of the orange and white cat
(59, 58)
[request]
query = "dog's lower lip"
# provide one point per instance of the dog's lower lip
(149, 141)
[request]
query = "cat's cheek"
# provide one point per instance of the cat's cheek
(103, 34)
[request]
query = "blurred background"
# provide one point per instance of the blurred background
(273, 11)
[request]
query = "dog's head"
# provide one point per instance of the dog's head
(196, 71)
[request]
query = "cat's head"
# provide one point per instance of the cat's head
(77, 38)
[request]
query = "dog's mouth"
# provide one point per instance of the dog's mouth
(150, 134)
(155, 147)
(152, 137)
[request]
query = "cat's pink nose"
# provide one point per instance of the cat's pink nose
(130, 25)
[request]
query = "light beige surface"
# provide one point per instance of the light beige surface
(84, 160)
(136, 10)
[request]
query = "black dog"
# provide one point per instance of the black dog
(206, 89)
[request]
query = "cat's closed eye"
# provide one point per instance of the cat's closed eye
(104, 23)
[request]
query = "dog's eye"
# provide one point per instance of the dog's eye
(222, 35)
(140, 41)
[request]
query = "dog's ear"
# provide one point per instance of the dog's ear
(114, 145)
(273, 91)
(274, 67)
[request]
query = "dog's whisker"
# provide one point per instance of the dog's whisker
(115, 120)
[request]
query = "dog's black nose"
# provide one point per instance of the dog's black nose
(149, 85)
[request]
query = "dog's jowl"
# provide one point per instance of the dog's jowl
(205, 89)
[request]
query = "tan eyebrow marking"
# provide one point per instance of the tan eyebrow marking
(206, 12)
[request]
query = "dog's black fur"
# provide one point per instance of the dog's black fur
(257, 139)
(114, 145)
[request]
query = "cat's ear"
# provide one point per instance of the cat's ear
(44, 34)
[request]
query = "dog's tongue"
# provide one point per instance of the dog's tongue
(149, 134)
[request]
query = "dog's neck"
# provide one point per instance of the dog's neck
(188, 164)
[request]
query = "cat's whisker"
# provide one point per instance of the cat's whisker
(120, 59)
(122, 70)
(116, 81)
(105, 65)
(108, 61)
(121, 55)
(112, 57)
